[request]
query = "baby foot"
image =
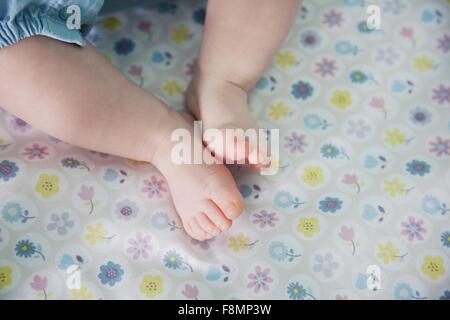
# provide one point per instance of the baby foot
(205, 196)
(223, 105)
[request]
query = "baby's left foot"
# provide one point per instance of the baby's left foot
(223, 105)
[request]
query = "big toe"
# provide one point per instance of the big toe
(228, 199)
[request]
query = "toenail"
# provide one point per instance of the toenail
(232, 209)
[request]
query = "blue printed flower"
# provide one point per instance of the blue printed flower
(403, 291)
(26, 249)
(165, 7)
(312, 121)
(296, 291)
(330, 204)
(358, 76)
(329, 151)
(445, 296)
(172, 260)
(445, 239)
(110, 273)
(12, 212)
(344, 47)
(431, 204)
(245, 190)
(199, 15)
(124, 46)
(8, 170)
(284, 199)
(160, 221)
(363, 27)
(302, 90)
(418, 168)
(278, 251)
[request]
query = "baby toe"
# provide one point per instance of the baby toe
(197, 231)
(214, 214)
(207, 225)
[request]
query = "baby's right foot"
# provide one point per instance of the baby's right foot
(205, 196)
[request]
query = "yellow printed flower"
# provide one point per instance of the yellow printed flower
(433, 267)
(151, 286)
(284, 59)
(80, 294)
(238, 243)
(394, 187)
(2, 141)
(278, 110)
(112, 23)
(5, 276)
(308, 226)
(388, 252)
(47, 185)
(172, 87)
(395, 137)
(341, 99)
(423, 63)
(313, 176)
(95, 234)
(180, 34)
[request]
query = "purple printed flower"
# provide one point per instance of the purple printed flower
(440, 147)
(444, 43)
(259, 280)
(310, 39)
(126, 209)
(333, 18)
(358, 128)
(420, 116)
(295, 143)
(19, 125)
(441, 94)
(264, 218)
(388, 56)
(326, 67)
(325, 264)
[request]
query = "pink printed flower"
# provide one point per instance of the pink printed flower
(346, 233)
(440, 147)
(135, 70)
(154, 187)
(264, 218)
(190, 292)
(379, 103)
(259, 280)
(86, 193)
(39, 283)
(144, 25)
(343, 297)
(407, 32)
(352, 179)
(35, 151)
(139, 246)
(413, 229)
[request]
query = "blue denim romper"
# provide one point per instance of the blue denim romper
(20, 19)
